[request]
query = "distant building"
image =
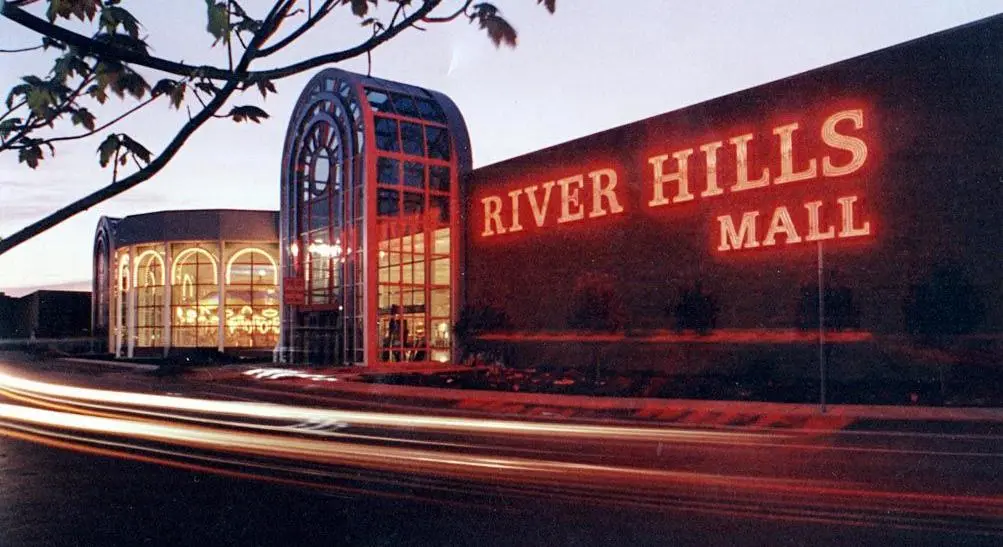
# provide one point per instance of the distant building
(177, 281)
(45, 315)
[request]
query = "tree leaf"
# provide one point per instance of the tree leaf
(499, 30)
(247, 113)
(207, 87)
(174, 89)
(264, 86)
(178, 95)
(360, 7)
(85, 10)
(9, 125)
(21, 89)
(218, 22)
(82, 116)
(30, 155)
(106, 151)
(40, 101)
(113, 16)
(135, 148)
(551, 5)
(130, 82)
(98, 92)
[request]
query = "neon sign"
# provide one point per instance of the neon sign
(842, 151)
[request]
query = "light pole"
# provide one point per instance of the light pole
(821, 329)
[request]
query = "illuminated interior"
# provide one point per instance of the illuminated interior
(246, 275)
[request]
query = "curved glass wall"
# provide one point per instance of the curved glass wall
(195, 294)
(369, 205)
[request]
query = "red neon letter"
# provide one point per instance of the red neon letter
(781, 223)
(515, 226)
(813, 223)
(683, 193)
(539, 211)
(571, 196)
(744, 238)
(599, 192)
(710, 152)
(855, 146)
(492, 214)
(787, 173)
(742, 181)
(846, 204)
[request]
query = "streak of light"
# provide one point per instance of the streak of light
(273, 411)
(508, 470)
(690, 491)
(110, 412)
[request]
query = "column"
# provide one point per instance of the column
(221, 308)
(168, 308)
(131, 303)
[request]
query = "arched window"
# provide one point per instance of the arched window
(148, 280)
(252, 303)
(195, 295)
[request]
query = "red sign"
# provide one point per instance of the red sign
(812, 154)
(294, 291)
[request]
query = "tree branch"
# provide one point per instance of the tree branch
(339, 56)
(21, 50)
(13, 108)
(157, 164)
(88, 46)
(121, 117)
(448, 18)
(322, 12)
(34, 122)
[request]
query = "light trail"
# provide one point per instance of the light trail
(795, 498)
(296, 414)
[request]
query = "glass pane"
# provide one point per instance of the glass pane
(386, 134)
(405, 105)
(440, 204)
(387, 171)
(414, 203)
(321, 172)
(319, 215)
(438, 143)
(414, 175)
(411, 136)
(441, 244)
(440, 303)
(430, 110)
(387, 202)
(440, 271)
(379, 101)
(438, 178)
(440, 333)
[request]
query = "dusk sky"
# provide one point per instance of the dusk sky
(591, 66)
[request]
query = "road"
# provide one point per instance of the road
(134, 456)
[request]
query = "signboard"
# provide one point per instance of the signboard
(294, 291)
(754, 162)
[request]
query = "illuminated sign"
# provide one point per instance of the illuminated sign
(836, 148)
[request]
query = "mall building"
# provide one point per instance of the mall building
(862, 198)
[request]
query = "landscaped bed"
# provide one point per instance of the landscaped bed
(979, 388)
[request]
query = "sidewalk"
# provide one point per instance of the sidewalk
(346, 384)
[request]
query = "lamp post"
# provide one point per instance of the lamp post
(821, 329)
